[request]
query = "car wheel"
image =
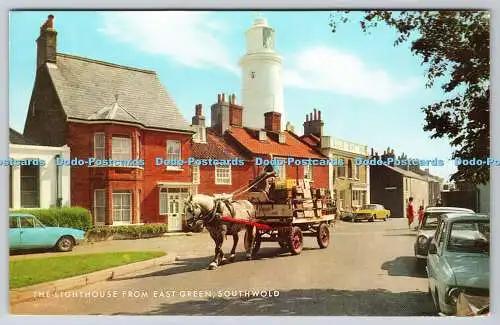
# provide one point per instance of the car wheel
(385, 218)
(372, 219)
(65, 244)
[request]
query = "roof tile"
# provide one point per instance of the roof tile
(85, 87)
(293, 146)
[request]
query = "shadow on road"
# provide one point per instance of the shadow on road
(201, 263)
(313, 302)
(404, 266)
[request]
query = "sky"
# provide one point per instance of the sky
(369, 91)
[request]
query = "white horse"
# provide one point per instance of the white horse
(210, 210)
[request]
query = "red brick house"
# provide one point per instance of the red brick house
(108, 111)
(228, 138)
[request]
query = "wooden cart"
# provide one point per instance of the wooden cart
(290, 211)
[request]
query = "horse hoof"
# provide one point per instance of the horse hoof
(224, 261)
(212, 266)
(232, 258)
(249, 257)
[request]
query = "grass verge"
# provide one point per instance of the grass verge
(27, 272)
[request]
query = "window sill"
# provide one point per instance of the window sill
(223, 183)
(174, 169)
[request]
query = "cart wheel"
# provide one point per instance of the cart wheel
(296, 241)
(323, 236)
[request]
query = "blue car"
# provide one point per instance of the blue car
(27, 232)
(458, 260)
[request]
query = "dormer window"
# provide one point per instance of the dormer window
(262, 135)
(281, 137)
(201, 134)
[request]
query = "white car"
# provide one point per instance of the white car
(428, 228)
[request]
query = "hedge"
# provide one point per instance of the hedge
(127, 232)
(70, 217)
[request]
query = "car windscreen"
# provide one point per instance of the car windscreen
(469, 237)
(430, 220)
(369, 207)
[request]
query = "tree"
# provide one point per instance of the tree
(455, 49)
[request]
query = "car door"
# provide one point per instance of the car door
(432, 259)
(34, 234)
(14, 233)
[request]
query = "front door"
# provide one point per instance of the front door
(175, 210)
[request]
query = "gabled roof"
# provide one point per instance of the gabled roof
(216, 147)
(406, 173)
(17, 138)
(88, 88)
(293, 146)
(311, 140)
(114, 112)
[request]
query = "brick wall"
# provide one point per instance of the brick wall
(45, 120)
(142, 182)
(241, 176)
(154, 144)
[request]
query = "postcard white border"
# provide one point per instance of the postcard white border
(7, 5)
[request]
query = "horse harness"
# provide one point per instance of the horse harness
(216, 213)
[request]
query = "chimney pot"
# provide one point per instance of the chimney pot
(218, 98)
(223, 98)
(319, 115)
(233, 98)
(310, 116)
(315, 114)
(198, 110)
(307, 117)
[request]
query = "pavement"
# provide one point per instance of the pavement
(367, 270)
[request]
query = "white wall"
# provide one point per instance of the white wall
(419, 190)
(264, 92)
(48, 179)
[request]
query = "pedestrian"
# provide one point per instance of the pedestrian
(410, 213)
(420, 215)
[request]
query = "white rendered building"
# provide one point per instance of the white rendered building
(37, 186)
(262, 76)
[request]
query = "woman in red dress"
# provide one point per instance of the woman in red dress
(410, 213)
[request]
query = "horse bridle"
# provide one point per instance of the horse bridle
(207, 218)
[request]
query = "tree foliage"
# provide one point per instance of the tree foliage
(455, 49)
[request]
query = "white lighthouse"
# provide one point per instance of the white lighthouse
(262, 76)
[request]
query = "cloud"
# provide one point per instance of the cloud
(328, 69)
(187, 37)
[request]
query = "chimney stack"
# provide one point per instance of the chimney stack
(198, 118)
(313, 124)
(47, 43)
(235, 112)
(272, 121)
(220, 119)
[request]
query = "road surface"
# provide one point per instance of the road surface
(368, 270)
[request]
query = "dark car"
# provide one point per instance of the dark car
(428, 228)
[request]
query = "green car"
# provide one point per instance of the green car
(27, 232)
(458, 260)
